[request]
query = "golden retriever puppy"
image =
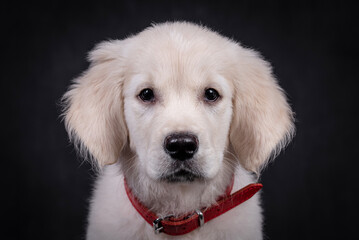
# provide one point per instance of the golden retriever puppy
(176, 118)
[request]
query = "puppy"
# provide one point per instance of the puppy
(173, 117)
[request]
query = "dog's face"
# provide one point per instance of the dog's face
(178, 115)
(179, 97)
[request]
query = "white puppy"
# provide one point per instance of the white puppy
(177, 110)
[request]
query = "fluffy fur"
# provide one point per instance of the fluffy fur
(237, 134)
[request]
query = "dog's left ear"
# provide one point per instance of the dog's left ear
(93, 106)
(262, 121)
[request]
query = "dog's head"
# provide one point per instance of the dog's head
(174, 101)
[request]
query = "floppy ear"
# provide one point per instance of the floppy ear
(93, 106)
(262, 121)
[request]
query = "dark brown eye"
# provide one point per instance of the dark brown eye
(211, 95)
(147, 95)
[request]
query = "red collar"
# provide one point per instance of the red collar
(182, 225)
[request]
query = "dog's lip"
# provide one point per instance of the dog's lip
(181, 175)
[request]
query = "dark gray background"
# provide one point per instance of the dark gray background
(313, 46)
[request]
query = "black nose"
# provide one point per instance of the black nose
(181, 146)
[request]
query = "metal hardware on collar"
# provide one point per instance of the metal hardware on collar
(157, 225)
(200, 218)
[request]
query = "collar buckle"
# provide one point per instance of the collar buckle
(157, 225)
(158, 228)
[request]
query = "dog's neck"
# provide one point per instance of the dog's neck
(178, 199)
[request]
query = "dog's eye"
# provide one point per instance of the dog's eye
(211, 95)
(147, 95)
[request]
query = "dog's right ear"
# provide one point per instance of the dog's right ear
(93, 106)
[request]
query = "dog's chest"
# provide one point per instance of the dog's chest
(112, 216)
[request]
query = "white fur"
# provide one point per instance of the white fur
(237, 134)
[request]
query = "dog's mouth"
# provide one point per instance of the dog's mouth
(182, 175)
